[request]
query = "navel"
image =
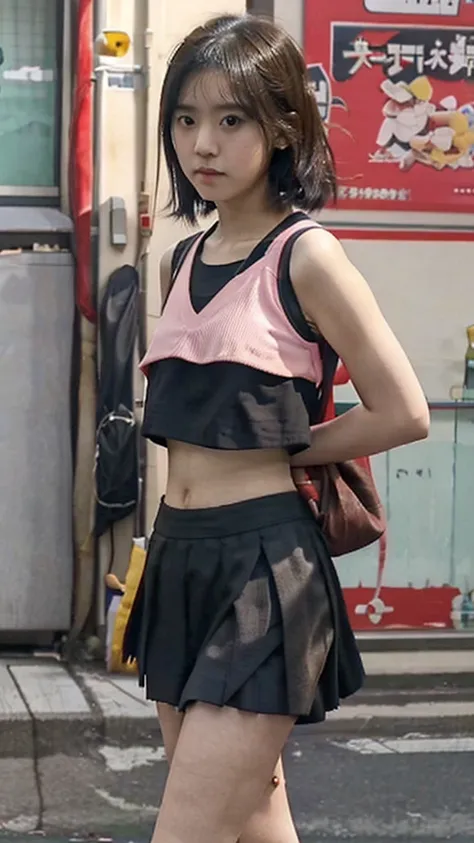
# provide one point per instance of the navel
(186, 498)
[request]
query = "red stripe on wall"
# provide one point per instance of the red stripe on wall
(391, 234)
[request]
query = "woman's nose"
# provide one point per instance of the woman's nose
(205, 141)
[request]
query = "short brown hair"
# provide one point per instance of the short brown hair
(267, 75)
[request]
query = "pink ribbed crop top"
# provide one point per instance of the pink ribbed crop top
(244, 323)
(237, 368)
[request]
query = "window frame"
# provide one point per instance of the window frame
(57, 194)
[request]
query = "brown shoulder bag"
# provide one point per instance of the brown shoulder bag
(342, 496)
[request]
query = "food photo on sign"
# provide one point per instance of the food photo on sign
(398, 102)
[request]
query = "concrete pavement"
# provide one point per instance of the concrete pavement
(404, 790)
(81, 751)
(48, 707)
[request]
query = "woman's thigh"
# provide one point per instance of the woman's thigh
(221, 767)
(272, 821)
(170, 724)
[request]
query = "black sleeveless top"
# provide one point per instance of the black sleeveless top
(228, 405)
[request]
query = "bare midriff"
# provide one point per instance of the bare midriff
(201, 477)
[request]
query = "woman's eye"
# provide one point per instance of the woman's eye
(232, 120)
(185, 120)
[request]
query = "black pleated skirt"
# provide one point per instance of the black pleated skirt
(240, 605)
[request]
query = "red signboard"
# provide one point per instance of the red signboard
(394, 80)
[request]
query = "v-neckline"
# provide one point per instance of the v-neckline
(273, 234)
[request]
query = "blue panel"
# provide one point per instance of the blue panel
(463, 533)
(420, 508)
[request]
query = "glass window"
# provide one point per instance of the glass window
(29, 96)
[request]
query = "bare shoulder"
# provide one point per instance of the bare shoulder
(317, 243)
(318, 255)
(331, 291)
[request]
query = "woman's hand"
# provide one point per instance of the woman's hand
(300, 477)
(335, 297)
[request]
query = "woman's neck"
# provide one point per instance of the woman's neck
(234, 239)
(246, 221)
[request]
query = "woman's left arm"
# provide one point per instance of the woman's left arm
(335, 297)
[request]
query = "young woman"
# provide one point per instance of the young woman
(239, 626)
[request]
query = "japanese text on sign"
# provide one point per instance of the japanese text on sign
(438, 54)
(374, 193)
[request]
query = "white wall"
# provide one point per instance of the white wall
(290, 13)
(425, 290)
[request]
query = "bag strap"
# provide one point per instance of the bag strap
(288, 297)
(290, 304)
(329, 360)
(180, 254)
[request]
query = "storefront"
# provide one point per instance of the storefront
(395, 85)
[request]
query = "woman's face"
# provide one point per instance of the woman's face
(221, 150)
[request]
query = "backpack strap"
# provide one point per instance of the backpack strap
(289, 301)
(180, 253)
(329, 360)
(288, 297)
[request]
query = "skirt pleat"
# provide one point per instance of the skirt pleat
(241, 605)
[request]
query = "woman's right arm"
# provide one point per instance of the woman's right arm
(393, 409)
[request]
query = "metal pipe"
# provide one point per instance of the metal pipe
(100, 17)
(454, 406)
(143, 252)
(85, 563)
(66, 106)
(109, 68)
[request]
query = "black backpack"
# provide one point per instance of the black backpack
(116, 455)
